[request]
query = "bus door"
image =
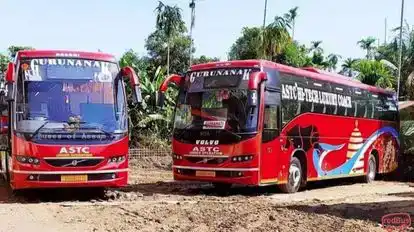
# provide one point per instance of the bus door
(270, 147)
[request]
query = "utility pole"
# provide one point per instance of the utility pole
(400, 58)
(264, 15)
(385, 34)
(192, 7)
(264, 27)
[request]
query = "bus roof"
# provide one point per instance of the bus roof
(65, 54)
(307, 72)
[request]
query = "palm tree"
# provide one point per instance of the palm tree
(348, 66)
(367, 44)
(316, 47)
(275, 37)
(333, 61)
(291, 17)
(169, 21)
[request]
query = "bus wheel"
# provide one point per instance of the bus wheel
(372, 170)
(5, 167)
(295, 177)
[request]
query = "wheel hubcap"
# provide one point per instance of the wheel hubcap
(294, 175)
(371, 173)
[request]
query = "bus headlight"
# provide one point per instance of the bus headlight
(28, 160)
(177, 157)
(241, 158)
(116, 159)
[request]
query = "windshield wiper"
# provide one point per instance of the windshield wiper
(107, 133)
(38, 129)
(236, 135)
(198, 122)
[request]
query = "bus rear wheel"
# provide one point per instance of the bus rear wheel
(295, 177)
(372, 170)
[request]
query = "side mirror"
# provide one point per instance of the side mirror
(9, 81)
(10, 73)
(174, 78)
(134, 83)
(160, 99)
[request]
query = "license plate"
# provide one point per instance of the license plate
(74, 178)
(206, 173)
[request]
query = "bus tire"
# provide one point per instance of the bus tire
(372, 170)
(295, 177)
(6, 168)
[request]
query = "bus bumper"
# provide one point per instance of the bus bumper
(242, 176)
(70, 179)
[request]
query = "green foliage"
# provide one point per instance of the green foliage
(168, 51)
(373, 72)
(204, 59)
(169, 20)
(275, 38)
(14, 49)
(368, 45)
(179, 51)
(275, 43)
(390, 53)
(294, 55)
(348, 67)
(3, 63)
(247, 45)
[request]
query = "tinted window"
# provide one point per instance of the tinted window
(273, 79)
(333, 99)
(271, 116)
(291, 107)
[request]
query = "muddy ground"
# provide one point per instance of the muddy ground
(152, 202)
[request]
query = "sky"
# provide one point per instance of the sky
(116, 26)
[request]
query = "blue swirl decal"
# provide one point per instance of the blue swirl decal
(346, 168)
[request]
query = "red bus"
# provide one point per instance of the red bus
(66, 120)
(255, 122)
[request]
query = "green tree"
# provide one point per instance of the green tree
(145, 120)
(247, 45)
(333, 60)
(3, 63)
(374, 72)
(169, 21)
(275, 37)
(367, 44)
(389, 53)
(158, 53)
(294, 55)
(291, 17)
(205, 59)
(14, 49)
(318, 58)
(348, 67)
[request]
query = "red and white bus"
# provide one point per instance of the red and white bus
(66, 114)
(255, 122)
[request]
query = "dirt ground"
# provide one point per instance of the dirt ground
(152, 202)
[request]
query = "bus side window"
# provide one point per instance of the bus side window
(271, 122)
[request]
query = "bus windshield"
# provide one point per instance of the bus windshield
(216, 109)
(53, 94)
